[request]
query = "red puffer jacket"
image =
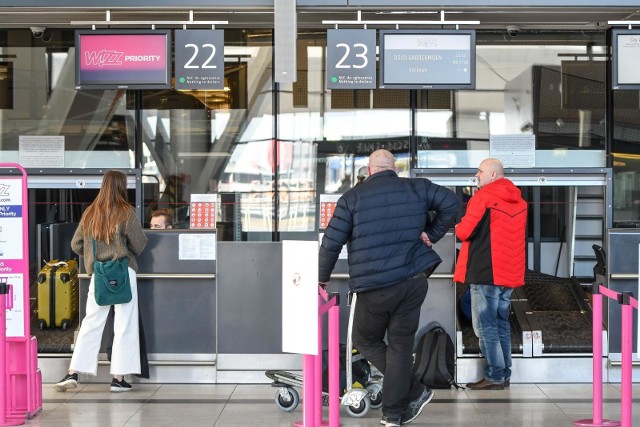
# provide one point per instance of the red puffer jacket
(493, 237)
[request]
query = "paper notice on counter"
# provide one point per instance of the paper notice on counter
(197, 246)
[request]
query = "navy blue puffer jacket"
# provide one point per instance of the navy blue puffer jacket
(381, 221)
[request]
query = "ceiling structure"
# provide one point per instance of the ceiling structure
(490, 18)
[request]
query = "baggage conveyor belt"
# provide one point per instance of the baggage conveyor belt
(549, 315)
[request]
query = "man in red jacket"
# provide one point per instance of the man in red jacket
(492, 262)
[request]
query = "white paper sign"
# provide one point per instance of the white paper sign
(41, 151)
(300, 297)
(514, 151)
(197, 246)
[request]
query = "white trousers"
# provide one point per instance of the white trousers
(125, 355)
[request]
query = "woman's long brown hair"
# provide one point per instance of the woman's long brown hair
(110, 208)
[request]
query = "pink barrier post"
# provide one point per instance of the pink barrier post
(21, 380)
(334, 361)
(597, 420)
(312, 369)
(317, 421)
(627, 349)
(308, 390)
(5, 419)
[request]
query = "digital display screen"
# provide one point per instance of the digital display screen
(626, 59)
(120, 59)
(438, 59)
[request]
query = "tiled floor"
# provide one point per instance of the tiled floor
(253, 405)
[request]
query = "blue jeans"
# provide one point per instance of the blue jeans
(490, 314)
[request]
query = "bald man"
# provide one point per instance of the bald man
(389, 233)
(492, 262)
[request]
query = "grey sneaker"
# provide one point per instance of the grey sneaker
(70, 381)
(120, 386)
(416, 406)
(390, 421)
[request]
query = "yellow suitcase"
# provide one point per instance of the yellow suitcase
(58, 294)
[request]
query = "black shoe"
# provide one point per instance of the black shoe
(485, 384)
(507, 383)
(390, 421)
(416, 406)
(70, 381)
(120, 386)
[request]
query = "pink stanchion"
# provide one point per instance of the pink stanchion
(597, 420)
(312, 369)
(6, 302)
(627, 349)
(20, 386)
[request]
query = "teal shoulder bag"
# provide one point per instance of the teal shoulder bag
(111, 280)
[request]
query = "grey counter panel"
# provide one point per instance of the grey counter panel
(179, 317)
(249, 297)
(179, 314)
(160, 256)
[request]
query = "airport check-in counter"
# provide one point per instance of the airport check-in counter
(224, 324)
(177, 301)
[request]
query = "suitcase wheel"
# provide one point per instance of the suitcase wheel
(65, 324)
(42, 324)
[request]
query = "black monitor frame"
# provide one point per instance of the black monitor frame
(121, 83)
(471, 84)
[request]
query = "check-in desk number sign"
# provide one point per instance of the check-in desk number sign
(351, 59)
(203, 215)
(199, 59)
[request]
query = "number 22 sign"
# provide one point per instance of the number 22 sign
(199, 59)
(351, 59)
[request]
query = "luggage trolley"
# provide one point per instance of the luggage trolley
(356, 400)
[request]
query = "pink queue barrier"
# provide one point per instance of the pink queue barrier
(21, 380)
(6, 303)
(312, 368)
(628, 304)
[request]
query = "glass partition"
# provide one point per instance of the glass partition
(268, 169)
(536, 84)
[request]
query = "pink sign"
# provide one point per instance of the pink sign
(123, 59)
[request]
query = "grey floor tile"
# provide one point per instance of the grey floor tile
(250, 391)
(178, 415)
(253, 405)
(577, 391)
(195, 391)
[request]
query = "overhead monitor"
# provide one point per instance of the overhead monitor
(626, 59)
(123, 59)
(428, 59)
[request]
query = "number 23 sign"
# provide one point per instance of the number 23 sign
(351, 59)
(199, 59)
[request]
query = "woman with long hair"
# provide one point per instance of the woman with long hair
(112, 223)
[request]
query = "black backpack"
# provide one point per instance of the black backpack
(434, 364)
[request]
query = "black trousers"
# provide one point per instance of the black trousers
(394, 311)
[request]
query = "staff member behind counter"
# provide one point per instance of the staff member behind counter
(162, 219)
